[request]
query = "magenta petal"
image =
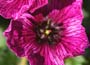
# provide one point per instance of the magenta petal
(37, 4)
(52, 5)
(59, 4)
(16, 36)
(36, 59)
(46, 56)
(75, 40)
(13, 38)
(73, 10)
(9, 8)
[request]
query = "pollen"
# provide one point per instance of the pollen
(47, 32)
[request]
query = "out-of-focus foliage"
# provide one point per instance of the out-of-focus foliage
(86, 21)
(2, 39)
(8, 58)
(79, 60)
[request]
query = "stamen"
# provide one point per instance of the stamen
(48, 31)
(41, 30)
(42, 36)
(48, 24)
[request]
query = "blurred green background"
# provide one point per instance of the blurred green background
(8, 58)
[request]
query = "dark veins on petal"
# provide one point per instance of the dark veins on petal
(14, 40)
(37, 59)
(53, 4)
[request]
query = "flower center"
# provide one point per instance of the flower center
(48, 32)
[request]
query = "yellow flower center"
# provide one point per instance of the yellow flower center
(47, 32)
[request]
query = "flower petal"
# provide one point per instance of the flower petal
(17, 36)
(37, 4)
(53, 4)
(70, 11)
(10, 7)
(75, 40)
(46, 56)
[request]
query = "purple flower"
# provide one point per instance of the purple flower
(10, 7)
(50, 34)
